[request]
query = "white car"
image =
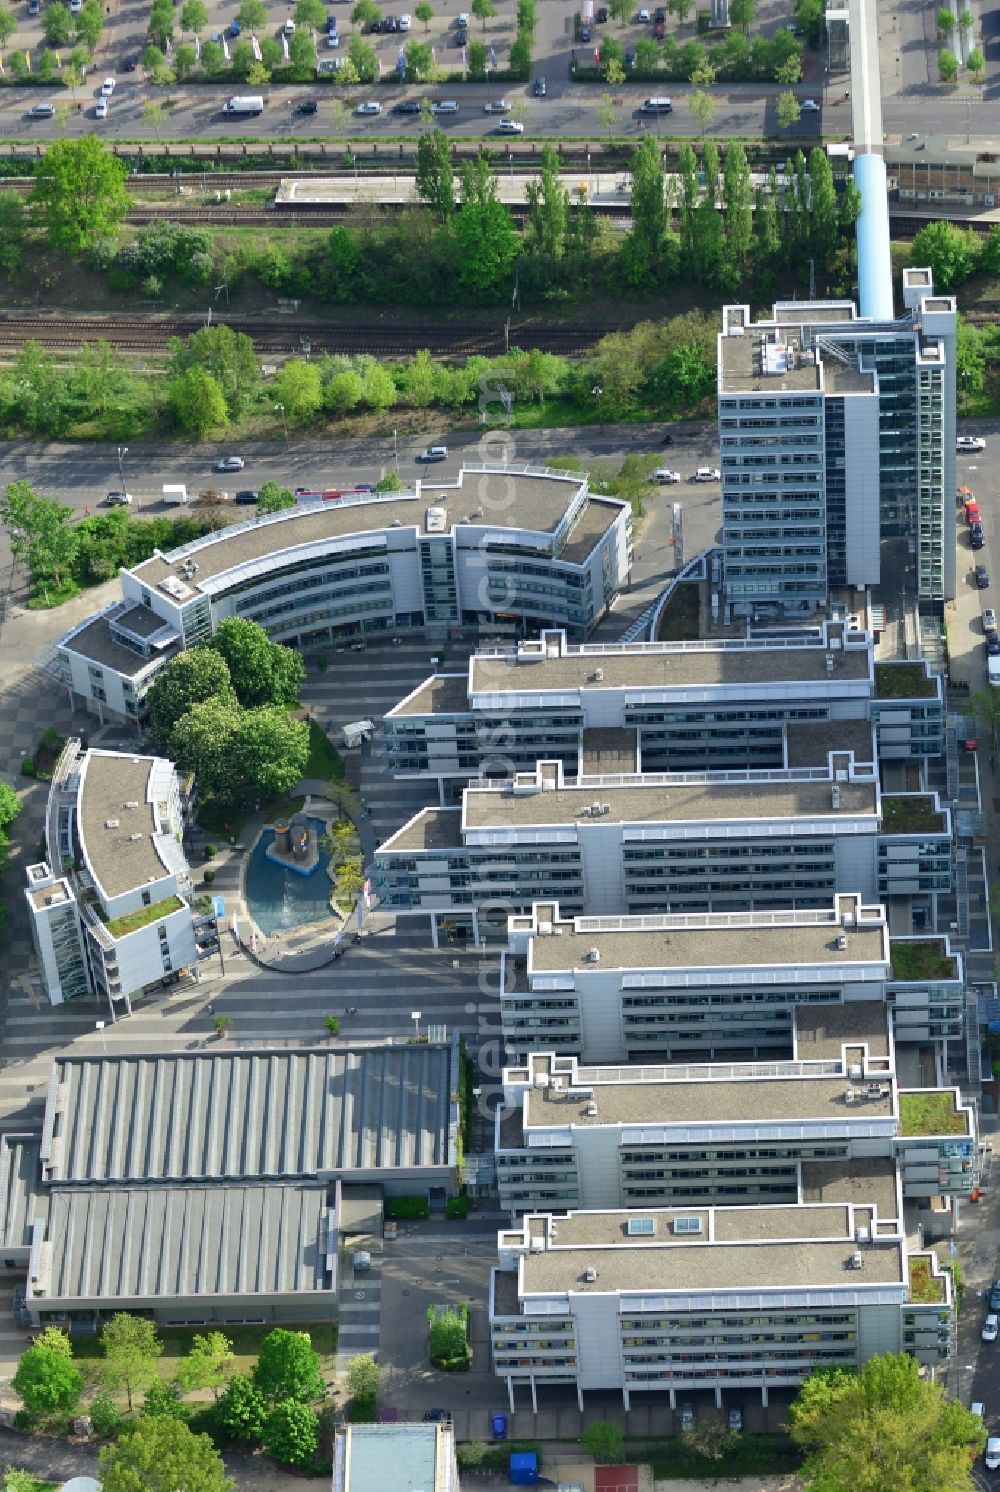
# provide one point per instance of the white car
(810, 106)
(463, 19)
(510, 127)
(970, 443)
(230, 463)
(993, 1453)
(444, 106)
(497, 106)
(664, 475)
(991, 1328)
(119, 499)
(289, 27)
(371, 107)
(75, 7)
(107, 87)
(643, 15)
(332, 39)
(433, 453)
(405, 23)
(101, 109)
(706, 474)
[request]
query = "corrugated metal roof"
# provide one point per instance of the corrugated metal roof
(249, 1115)
(151, 1242)
(20, 1178)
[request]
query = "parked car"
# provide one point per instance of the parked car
(539, 87)
(101, 109)
(130, 64)
(107, 87)
(370, 106)
(736, 1417)
(989, 619)
(982, 577)
(496, 106)
(230, 463)
(405, 22)
(433, 453)
(602, 15)
(687, 1418)
(992, 645)
(41, 111)
(809, 106)
(306, 106)
(643, 15)
(407, 106)
(706, 474)
(246, 495)
(437, 1417)
(993, 1453)
(119, 499)
(991, 1328)
(977, 538)
(994, 1302)
(498, 1426)
(970, 443)
(665, 474)
(444, 106)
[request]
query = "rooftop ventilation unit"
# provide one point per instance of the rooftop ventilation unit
(842, 942)
(598, 675)
(591, 1111)
(856, 1261)
(835, 795)
(593, 955)
(132, 803)
(112, 823)
(590, 1276)
(134, 838)
(829, 663)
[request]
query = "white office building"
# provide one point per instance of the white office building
(716, 987)
(503, 549)
(836, 433)
(741, 1300)
(573, 1136)
(112, 907)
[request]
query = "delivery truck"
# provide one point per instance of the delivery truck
(244, 103)
(174, 494)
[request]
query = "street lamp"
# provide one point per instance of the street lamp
(280, 409)
(104, 1044)
(415, 1018)
(122, 453)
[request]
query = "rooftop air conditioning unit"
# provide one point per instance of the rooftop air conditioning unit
(835, 796)
(595, 810)
(593, 955)
(134, 837)
(591, 1111)
(856, 1261)
(842, 942)
(112, 823)
(598, 675)
(132, 803)
(590, 1276)
(557, 1084)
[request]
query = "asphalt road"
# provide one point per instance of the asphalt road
(81, 475)
(568, 111)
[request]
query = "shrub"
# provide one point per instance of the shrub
(210, 850)
(208, 876)
(105, 1416)
(407, 1209)
(28, 768)
(457, 1207)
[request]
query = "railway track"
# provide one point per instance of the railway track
(134, 335)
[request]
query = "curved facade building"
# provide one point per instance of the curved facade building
(502, 549)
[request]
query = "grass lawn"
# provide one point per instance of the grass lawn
(920, 960)
(679, 618)
(910, 814)
(930, 1113)
(752, 1455)
(325, 761)
(902, 681)
(246, 1342)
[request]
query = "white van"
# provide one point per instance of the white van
(657, 106)
(175, 495)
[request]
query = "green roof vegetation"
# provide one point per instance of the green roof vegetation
(923, 959)
(925, 1288)
(679, 618)
(931, 1112)
(131, 922)
(911, 814)
(902, 681)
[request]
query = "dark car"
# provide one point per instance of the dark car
(993, 644)
(247, 495)
(995, 1296)
(461, 37)
(602, 14)
(130, 64)
(306, 106)
(982, 577)
(630, 59)
(437, 1417)
(978, 538)
(539, 87)
(407, 106)
(585, 32)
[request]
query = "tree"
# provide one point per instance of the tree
(527, 17)
(203, 742)
(262, 672)
(13, 231)
(483, 10)
(789, 71)
(79, 194)
(448, 1337)
(788, 110)
(824, 227)
(649, 209)
(189, 679)
(487, 242)
(131, 1349)
(743, 13)
(8, 24)
(947, 65)
(364, 59)
(209, 1362)
(970, 359)
(362, 1377)
(737, 214)
(58, 24)
(48, 1381)
(976, 63)
(707, 244)
(620, 10)
(419, 61)
(302, 56)
(884, 1426)
(613, 71)
(288, 1367)
(197, 403)
(952, 253)
(40, 531)
(274, 499)
(90, 24)
(365, 14)
(153, 113)
(163, 1401)
(603, 1440)
(424, 11)
(548, 212)
(291, 1433)
(967, 20)
(242, 1409)
(186, 60)
(230, 358)
(194, 16)
(270, 750)
(160, 27)
(162, 1455)
(299, 388)
(607, 113)
(252, 15)
(378, 389)
(945, 20)
(344, 392)
(311, 14)
(477, 58)
(702, 106)
(519, 57)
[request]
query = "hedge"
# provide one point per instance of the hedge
(407, 1209)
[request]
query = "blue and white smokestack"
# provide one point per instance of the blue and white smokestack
(874, 259)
